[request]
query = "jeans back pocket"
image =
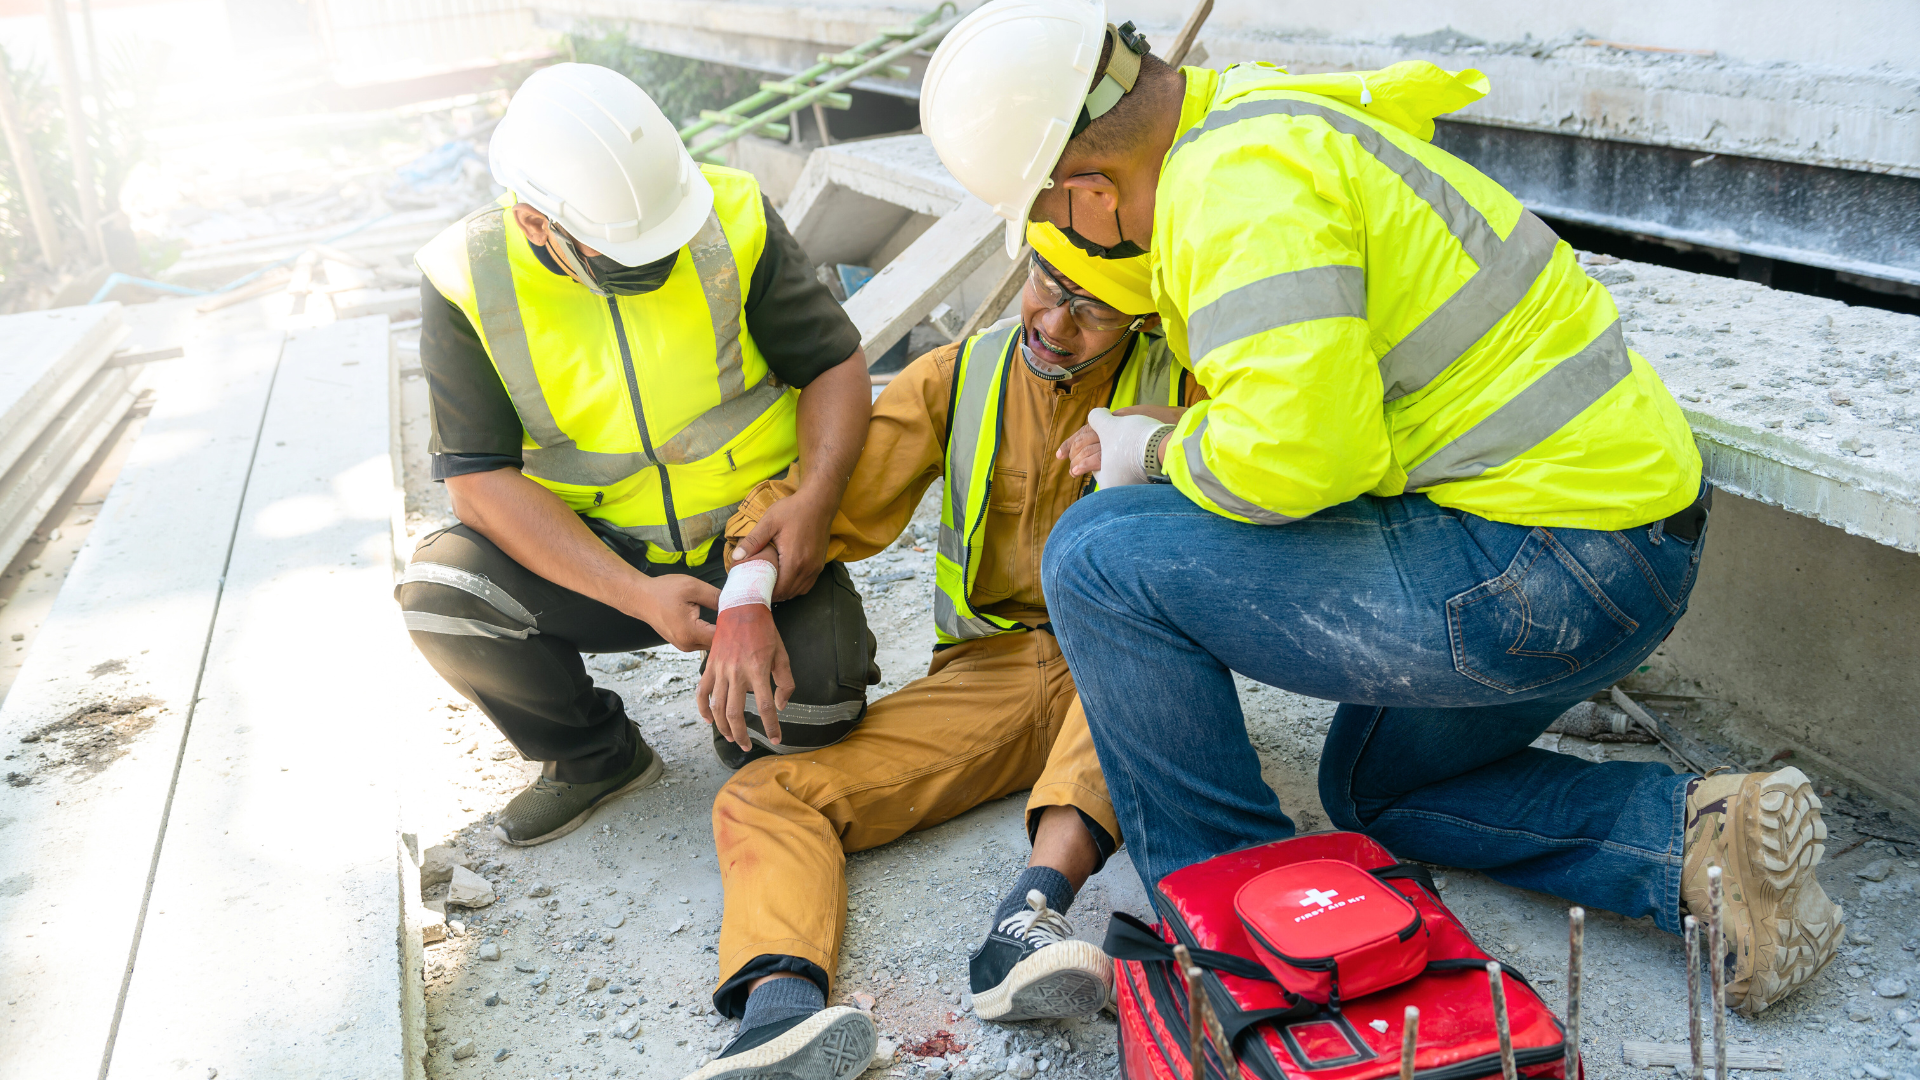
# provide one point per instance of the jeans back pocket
(1543, 619)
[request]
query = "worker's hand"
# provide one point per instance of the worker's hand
(671, 605)
(1082, 448)
(747, 655)
(796, 531)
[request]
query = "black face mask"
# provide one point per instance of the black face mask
(631, 280)
(1125, 249)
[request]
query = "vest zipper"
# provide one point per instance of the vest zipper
(640, 421)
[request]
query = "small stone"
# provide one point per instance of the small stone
(489, 951)
(502, 1055)
(615, 921)
(1440, 882)
(1855, 971)
(463, 1049)
(1891, 988)
(864, 1002)
(966, 1001)
(1020, 1067)
(684, 900)
(538, 889)
(469, 889)
(437, 864)
(1814, 416)
(1859, 1014)
(883, 1051)
(1379, 1026)
(19, 637)
(524, 968)
(627, 1026)
(595, 983)
(212, 1072)
(1878, 1072)
(1877, 870)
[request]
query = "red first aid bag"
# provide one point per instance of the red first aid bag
(1278, 1033)
(1327, 929)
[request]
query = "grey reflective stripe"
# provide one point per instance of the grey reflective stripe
(1156, 377)
(977, 369)
(796, 719)
(1212, 488)
(498, 305)
(969, 417)
(428, 622)
(469, 582)
(1548, 404)
(949, 545)
(694, 530)
(1466, 316)
(1297, 296)
(954, 625)
(720, 281)
(1509, 266)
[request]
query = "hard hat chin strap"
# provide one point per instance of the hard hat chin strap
(1123, 70)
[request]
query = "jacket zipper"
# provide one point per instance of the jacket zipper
(640, 422)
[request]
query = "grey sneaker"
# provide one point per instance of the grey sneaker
(549, 809)
(1030, 967)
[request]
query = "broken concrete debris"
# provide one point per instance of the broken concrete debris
(438, 863)
(469, 889)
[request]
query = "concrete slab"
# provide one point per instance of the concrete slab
(29, 490)
(272, 943)
(918, 279)
(93, 724)
(49, 356)
(1798, 402)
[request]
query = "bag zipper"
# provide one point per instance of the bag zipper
(640, 422)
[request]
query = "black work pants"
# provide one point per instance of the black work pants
(510, 641)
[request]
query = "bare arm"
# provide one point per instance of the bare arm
(539, 532)
(832, 420)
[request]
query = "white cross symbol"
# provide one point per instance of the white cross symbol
(1324, 899)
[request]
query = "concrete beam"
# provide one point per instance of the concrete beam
(1797, 402)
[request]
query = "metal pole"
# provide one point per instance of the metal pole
(1508, 1069)
(820, 120)
(1576, 969)
(76, 127)
(1716, 956)
(1183, 41)
(1693, 997)
(1409, 1041)
(31, 189)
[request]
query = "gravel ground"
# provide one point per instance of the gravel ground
(634, 898)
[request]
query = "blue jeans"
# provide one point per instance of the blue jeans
(1451, 643)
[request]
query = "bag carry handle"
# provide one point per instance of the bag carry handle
(1130, 939)
(1419, 874)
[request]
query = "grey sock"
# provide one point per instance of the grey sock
(1051, 883)
(781, 999)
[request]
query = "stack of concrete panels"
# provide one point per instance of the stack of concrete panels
(59, 398)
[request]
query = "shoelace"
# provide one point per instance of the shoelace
(1037, 925)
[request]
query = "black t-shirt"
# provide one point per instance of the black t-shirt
(798, 326)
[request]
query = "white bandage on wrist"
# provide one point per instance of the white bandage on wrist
(749, 583)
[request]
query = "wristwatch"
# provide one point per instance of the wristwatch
(1151, 459)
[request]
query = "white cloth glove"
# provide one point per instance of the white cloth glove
(1123, 447)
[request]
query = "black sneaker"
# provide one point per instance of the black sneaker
(832, 1044)
(1030, 967)
(549, 809)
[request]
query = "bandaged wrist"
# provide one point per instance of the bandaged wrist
(749, 582)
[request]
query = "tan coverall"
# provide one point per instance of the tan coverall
(992, 716)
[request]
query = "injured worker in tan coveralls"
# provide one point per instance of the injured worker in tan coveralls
(996, 712)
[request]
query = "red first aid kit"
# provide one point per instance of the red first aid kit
(1310, 951)
(1327, 929)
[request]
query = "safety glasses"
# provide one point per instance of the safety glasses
(1047, 288)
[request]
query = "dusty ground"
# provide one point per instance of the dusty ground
(919, 906)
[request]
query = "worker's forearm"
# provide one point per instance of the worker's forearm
(832, 420)
(539, 532)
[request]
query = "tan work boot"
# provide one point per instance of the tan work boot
(1764, 831)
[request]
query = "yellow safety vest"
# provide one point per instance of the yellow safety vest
(655, 414)
(1149, 374)
(1373, 315)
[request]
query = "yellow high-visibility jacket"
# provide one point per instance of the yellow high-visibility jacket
(1374, 316)
(655, 414)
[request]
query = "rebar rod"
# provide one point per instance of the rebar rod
(1576, 970)
(1693, 997)
(1716, 956)
(1196, 1028)
(1409, 1041)
(1497, 985)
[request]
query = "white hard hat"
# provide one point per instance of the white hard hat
(1005, 91)
(589, 149)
